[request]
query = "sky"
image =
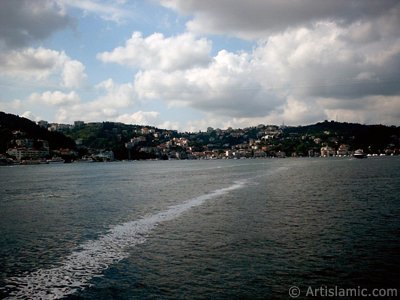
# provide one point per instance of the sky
(192, 64)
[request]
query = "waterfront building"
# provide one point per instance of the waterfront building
(327, 151)
(26, 153)
(343, 150)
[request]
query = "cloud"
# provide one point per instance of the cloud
(170, 125)
(319, 62)
(255, 19)
(297, 111)
(64, 115)
(140, 118)
(227, 87)
(158, 52)
(30, 63)
(311, 60)
(86, 111)
(29, 115)
(25, 21)
(285, 77)
(40, 64)
(117, 95)
(73, 74)
(368, 110)
(12, 106)
(112, 101)
(56, 98)
(79, 112)
(107, 11)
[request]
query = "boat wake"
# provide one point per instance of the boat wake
(75, 271)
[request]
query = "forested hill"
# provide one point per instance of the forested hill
(10, 123)
(357, 135)
(143, 140)
(344, 128)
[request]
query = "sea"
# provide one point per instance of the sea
(203, 229)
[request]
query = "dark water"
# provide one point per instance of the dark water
(237, 229)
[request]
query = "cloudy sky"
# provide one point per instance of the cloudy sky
(190, 64)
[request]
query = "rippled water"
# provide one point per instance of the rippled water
(198, 229)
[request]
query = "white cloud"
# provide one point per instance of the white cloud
(227, 86)
(117, 95)
(284, 78)
(297, 112)
(79, 112)
(29, 115)
(13, 105)
(319, 62)
(85, 112)
(73, 74)
(173, 125)
(312, 60)
(368, 110)
(112, 101)
(36, 63)
(158, 52)
(40, 64)
(56, 98)
(107, 11)
(140, 118)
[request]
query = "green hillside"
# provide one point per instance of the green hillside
(10, 123)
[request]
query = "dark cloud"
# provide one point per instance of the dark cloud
(25, 21)
(254, 18)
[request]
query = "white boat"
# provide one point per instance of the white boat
(56, 160)
(359, 153)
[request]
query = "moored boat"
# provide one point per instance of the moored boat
(359, 153)
(56, 160)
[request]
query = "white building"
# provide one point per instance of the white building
(343, 150)
(327, 151)
(105, 156)
(21, 153)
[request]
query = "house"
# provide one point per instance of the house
(343, 150)
(327, 151)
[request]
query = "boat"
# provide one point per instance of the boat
(56, 160)
(359, 153)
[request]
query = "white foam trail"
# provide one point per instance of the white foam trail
(76, 270)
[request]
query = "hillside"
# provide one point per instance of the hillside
(127, 141)
(372, 138)
(259, 141)
(10, 123)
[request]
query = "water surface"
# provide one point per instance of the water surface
(198, 229)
